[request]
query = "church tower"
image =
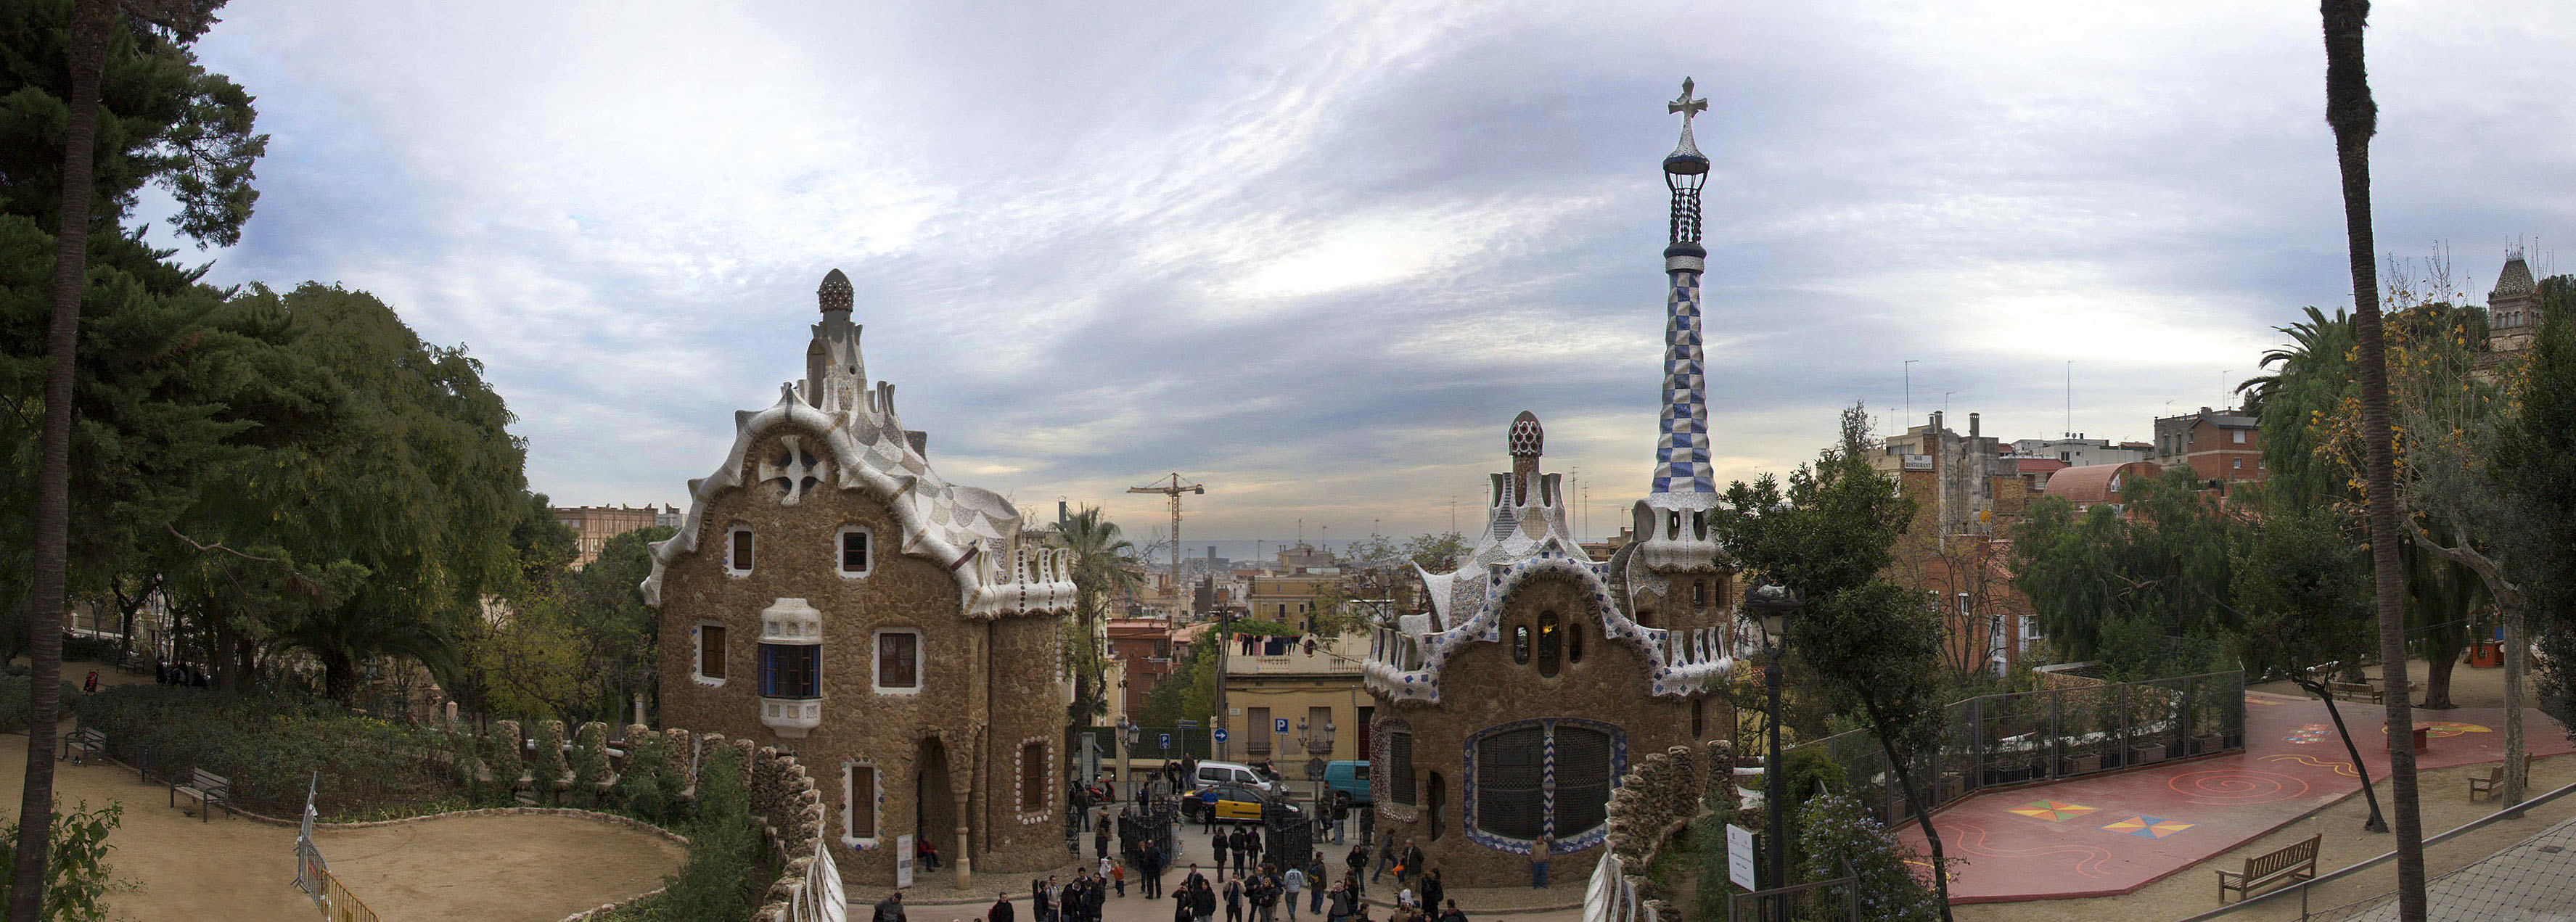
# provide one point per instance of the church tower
(2513, 308)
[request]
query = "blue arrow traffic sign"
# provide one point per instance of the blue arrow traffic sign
(1220, 734)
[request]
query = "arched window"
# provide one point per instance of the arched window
(1574, 641)
(1521, 644)
(1699, 524)
(1673, 525)
(1541, 778)
(1551, 643)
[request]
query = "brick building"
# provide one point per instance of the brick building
(593, 525)
(829, 593)
(2218, 445)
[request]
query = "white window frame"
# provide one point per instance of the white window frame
(920, 656)
(876, 796)
(729, 568)
(698, 653)
(2236, 435)
(838, 564)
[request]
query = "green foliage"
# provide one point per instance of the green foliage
(269, 743)
(589, 763)
(1189, 693)
(2536, 464)
(576, 645)
(2159, 565)
(725, 871)
(78, 879)
(1811, 770)
(1104, 568)
(17, 706)
(2312, 379)
(649, 789)
(1838, 836)
(92, 650)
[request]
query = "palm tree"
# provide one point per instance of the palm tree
(1104, 566)
(93, 25)
(2354, 118)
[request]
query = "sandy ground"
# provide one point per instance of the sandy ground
(535, 868)
(2445, 806)
(2470, 688)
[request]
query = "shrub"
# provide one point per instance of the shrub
(78, 879)
(1810, 769)
(649, 790)
(589, 763)
(18, 707)
(1838, 836)
(724, 873)
(270, 743)
(92, 649)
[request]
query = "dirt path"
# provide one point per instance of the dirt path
(538, 868)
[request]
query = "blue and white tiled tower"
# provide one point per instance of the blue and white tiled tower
(1672, 521)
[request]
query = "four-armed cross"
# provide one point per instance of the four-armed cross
(1685, 105)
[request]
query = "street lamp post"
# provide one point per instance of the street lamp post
(1773, 605)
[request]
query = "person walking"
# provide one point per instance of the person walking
(1118, 877)
(1203, 900)
(1252, 845)
(1385, 855)
(1039, 910)
(1234, 900)
(1265, 896)
(1315, 878)
(1001, 911)
(1218, 844)
(890, 909)
(1412, 863)
(1432, 890)
(1292, 885)
(1341, 900)
(1100, 837)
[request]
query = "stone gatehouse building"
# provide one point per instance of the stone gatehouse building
(829, 594)
(1509, 710)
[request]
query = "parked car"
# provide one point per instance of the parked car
(1348, 778)
(1232, 802)
(1234, 773)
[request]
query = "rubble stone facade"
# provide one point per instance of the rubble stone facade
(830, 596)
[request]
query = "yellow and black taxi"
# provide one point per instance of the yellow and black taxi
(1230, 802)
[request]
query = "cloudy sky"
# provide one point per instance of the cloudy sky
(1318, 255)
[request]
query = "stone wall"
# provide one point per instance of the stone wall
(1660, 797)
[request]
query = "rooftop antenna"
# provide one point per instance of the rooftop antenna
(2070, 399)
(1945, 404)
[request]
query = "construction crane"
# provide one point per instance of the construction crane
(1173, 486)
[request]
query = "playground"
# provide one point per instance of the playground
(538, 868)
(2113, 833)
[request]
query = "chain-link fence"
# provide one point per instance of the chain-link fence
(2025, 737)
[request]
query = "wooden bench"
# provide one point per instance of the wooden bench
(2295, 862)
(84, 745)
(2493, 784)
(2354, 691)
(208, 788)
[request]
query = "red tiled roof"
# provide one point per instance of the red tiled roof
(2092, 483)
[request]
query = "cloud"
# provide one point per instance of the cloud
(1320, 253)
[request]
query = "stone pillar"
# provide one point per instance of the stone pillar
(965, 863)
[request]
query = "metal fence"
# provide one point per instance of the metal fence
(2028, 737)
(1835, 900)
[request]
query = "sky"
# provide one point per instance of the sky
(1317, 255)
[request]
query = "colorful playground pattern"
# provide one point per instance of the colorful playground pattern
(2115, 832)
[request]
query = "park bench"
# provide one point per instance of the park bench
(208, 788)
(2296, 861)
(2494, 781)
(84, 745)
(2354, 691)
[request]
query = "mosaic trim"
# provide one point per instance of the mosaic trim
(1019, 786)
(1681, 447)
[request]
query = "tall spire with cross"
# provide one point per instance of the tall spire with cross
(1681, 450)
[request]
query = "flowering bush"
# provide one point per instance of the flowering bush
(1838, 836)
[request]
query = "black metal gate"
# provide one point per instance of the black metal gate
(1149, 823)
(1287, 834)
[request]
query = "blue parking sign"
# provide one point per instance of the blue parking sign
(1279, 725)
(1167, 739)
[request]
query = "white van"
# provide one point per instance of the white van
(1235, 773)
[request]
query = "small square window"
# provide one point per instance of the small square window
(2237, 435)
(738, 550)
(2237, 464)
(899, 662)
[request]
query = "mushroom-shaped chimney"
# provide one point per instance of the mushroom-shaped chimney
(834, 295)
(1526, 441)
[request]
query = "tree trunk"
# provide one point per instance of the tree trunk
(2438, 663)
(2354, 118)
(2517, 776)
(340, 679)
(2376, 823)
(91, 27)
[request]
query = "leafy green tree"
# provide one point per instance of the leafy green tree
(78, 878)
(1830, 535)
(2305, 599)
(2536, 464)
(1839, 837)
(2156, 567)
(1104, 567)
(578, 650)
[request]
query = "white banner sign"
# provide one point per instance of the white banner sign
(903, 861)
(1739, 856)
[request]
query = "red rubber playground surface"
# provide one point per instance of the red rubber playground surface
(2113, 833)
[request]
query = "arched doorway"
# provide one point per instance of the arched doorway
(934, 806)
(1435, 801)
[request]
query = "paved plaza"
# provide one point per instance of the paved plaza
(2113, 833)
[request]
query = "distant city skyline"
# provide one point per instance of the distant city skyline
(1318, 256)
